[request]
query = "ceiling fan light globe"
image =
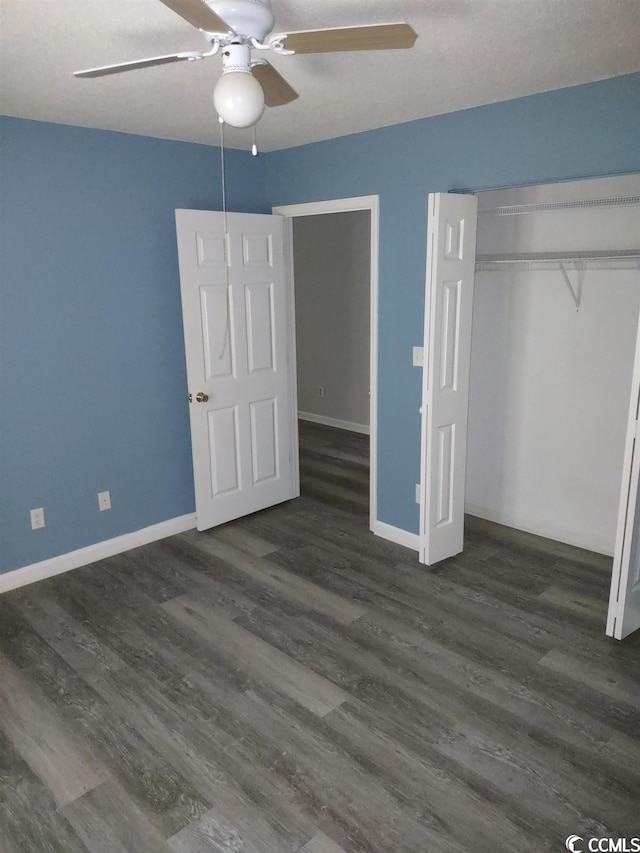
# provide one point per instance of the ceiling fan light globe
(238, 98)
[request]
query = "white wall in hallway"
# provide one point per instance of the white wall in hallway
(332, 287)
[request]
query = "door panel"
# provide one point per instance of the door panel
(224, 448)
(444, 472)
(217, 355)
(239, 349)
(260, 331)
(264, 446)
(624, 599)
(447, 347)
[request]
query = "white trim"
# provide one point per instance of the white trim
(395, 534)
(542, 528)
(341, 205)
(334, 205)
(92, 553)
(334, 422)
(294, 446)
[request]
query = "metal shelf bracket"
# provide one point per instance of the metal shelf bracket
(575, 294)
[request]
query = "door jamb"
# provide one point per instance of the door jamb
(342, 205)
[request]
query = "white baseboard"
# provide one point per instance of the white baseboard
(396, 534)
(334, 422)
(92, 553)
(542, 528)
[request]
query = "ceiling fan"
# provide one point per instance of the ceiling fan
(235, 28)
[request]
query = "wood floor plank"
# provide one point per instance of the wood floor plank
(247, 542)
(422, 783)
(321, 843)
(220, 757)
(22, 793)
(355, 797)
(282, 582)
(575, 602)
(340, 494)
(166, 800)
(70, 639)
(593, 677)
(159, 792)
(259, 658)
(529, 543)
(139, 632)
(195, 573)
(54, 752)
(109, 822)
(213, 834)
(549, 791)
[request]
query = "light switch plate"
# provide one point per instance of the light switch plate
(418, 356)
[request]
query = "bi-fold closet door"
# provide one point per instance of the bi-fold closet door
(549, 386)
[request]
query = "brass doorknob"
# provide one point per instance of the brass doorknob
(201, 397)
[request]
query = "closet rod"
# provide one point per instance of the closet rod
(561, 262)
(628, 257)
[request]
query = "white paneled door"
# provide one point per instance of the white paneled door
(624, 599)
(238, 326)
(451, 255)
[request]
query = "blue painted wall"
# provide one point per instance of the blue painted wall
(92, 371)
(92, 375)
(579, 132)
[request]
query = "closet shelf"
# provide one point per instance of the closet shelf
(552, 206)
(610, 259)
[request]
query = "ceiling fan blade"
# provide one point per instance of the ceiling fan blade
(199, 15)
(139, 63)
(372, 37)
(276, 89)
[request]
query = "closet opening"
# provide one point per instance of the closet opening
(531, 397)
(555, 316)
(553, 347)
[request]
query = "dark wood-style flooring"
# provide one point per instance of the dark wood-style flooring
(289, 682)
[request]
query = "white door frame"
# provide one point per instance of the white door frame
(342, 205)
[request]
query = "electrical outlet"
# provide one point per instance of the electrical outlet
(37, 518)
(320, 391)
(104, 500)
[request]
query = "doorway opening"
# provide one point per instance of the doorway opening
(332, 257)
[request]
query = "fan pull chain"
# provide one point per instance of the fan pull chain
(226, 244)
(254, 147)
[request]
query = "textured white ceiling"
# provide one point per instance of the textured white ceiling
(469, 52)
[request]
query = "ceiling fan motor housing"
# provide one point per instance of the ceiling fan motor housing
(250, 18)
(236, 57)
